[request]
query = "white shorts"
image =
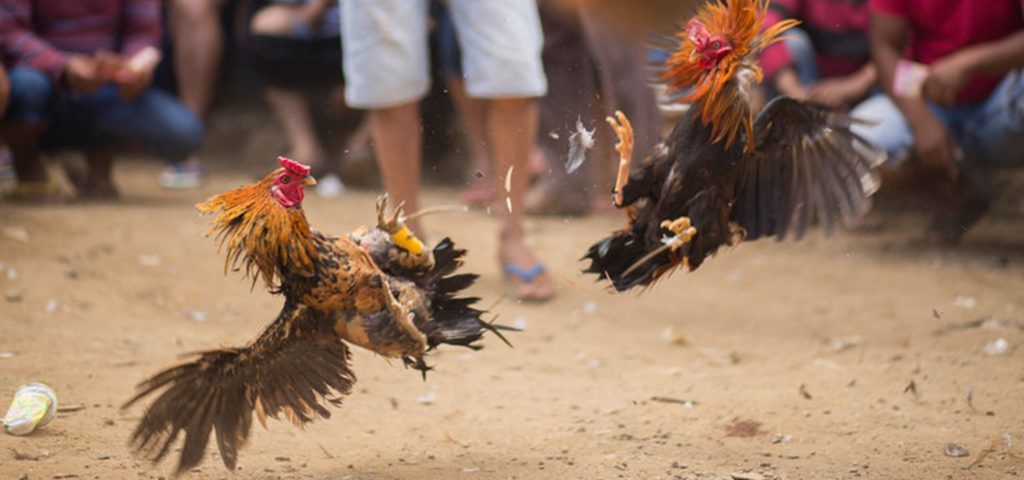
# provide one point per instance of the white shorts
(386, 61)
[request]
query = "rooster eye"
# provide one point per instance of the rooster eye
(716, 45)
(286, 179)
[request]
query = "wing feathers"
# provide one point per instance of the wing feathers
(807, 167)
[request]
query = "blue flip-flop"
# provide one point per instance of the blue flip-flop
(527, 275)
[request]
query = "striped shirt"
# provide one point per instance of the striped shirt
(838, 31)
(43, 33)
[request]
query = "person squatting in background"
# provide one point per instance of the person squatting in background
(80, 77)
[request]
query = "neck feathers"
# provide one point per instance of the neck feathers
(272, 242)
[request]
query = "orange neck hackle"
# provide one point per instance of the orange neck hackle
(717, 57)
(254, 230)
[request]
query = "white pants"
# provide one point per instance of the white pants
(386, 58)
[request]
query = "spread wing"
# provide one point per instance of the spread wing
(807, 166)
(289, 370)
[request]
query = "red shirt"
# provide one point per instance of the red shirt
(838, 31)
(940, 27)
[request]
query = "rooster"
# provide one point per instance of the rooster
(379, 288)
(724, 175)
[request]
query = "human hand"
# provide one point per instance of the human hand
(137, 73)
(934, 147)
(82, 74)
(788, 84)
(836, 92)
(946, 77)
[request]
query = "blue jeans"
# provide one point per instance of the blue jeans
(155, 121)
(991, 132)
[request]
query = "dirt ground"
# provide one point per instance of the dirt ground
(853, 357)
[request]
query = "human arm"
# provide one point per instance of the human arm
(21, 45)
(934, 146)
(777, 61)
(843, 91)
(951, 73)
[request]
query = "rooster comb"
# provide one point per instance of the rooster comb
(293, 167)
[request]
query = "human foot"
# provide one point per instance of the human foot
(524, 274)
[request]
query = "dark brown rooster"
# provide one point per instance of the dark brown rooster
(723, 175)
(378, 288)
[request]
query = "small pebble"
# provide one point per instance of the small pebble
(150, 260)
(52, 306)
(13, 296)
(998, 346)
(18, 234)
(427, 399)
(954, 450)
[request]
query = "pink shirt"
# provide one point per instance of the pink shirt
(941, 27)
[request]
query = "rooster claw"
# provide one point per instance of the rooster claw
(394, 224)
(624, 131)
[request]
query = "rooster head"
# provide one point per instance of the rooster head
(261, 226)
(289, 181)
(716, 57)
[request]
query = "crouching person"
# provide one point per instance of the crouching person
(80, 75)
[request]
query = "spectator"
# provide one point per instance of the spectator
(971, 113)
(385, 64)
(80, 78)
(296, 49)
(827, 58)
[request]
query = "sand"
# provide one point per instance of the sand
(849, 357)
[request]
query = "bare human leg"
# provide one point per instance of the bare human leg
(512, 128)
(198, 46)
(472, 114)
(294, 115)
(397, 137)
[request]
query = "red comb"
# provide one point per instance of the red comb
(293, 167)
(697, 33)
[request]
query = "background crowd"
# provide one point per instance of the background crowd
(105, 77)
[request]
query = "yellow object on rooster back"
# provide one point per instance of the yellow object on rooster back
(34, 405)
(406, 239)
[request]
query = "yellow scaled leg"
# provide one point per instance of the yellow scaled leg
(683, 229)
(400, 233)
(624, 131)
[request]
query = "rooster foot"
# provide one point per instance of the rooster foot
(624, 131)
(391, 225)
(683, 230)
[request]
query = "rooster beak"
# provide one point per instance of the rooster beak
(309, 181)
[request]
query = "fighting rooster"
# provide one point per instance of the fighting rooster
(378, 288)
(723, 175)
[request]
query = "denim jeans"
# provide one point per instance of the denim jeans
(990, 133)
(155, 121)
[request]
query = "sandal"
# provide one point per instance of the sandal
(526, 276)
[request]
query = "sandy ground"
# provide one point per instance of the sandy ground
(821, 359)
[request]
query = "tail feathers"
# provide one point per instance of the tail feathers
(625, 261)
(454, 319)
(288, 376)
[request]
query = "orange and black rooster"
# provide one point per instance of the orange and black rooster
(378, 288)
(724, 175)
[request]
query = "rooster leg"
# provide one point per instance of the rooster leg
(683, 229)
(624, 131)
